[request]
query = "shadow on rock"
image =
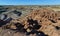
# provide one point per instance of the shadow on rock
(17, 12)
(34, 23)
(2, 22)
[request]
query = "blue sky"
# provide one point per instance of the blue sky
(29, 2)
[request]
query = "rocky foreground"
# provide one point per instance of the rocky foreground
(39, 22)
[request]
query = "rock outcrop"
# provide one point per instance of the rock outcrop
(42, 22)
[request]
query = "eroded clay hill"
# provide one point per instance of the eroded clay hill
(41, 22)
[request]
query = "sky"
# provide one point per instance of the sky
(29, 2)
